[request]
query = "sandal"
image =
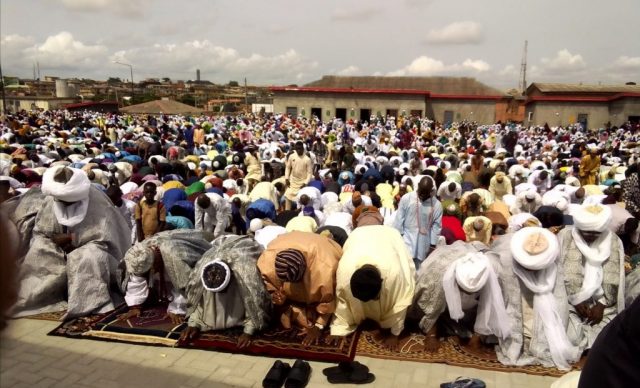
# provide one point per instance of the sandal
(464, 382)
(349, 373)
(276, 375)
(299, 375)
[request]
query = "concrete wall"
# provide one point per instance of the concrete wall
(17, 104)
(621, 109)
(564, 113)
(480, 111)
(328, 102)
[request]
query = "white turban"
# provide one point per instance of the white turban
(474, 273)
(556, 199)
(255, 225)
(534, 248)
(76, 189)
(75, 192)
(592, 218)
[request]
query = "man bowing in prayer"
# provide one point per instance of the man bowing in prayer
(299, 271)
(212, 213)
(592, 257)
(461, 278)
(159, 267)
(375, 280)
(79, 239)
(419, 220)
(225, 290)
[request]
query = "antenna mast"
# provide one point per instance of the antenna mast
(523, 70)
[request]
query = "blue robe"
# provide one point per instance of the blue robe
(406, 222)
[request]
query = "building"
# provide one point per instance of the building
(29, 103)
(445, 99)
(594, 106)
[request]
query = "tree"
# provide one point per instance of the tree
(114, 80)
(166, 80)
(234, 83)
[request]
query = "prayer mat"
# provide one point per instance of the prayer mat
(153, 328)
(451, 352)
(52, 316)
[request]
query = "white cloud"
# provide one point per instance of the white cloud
(425, 66)
(349, 70)
(476, 65)
(360, 14)
(466, 32)
(627, 63)
(509, 70)
(215, 62)
(126, 8)
(58, 52)
(64, 55)
(564, 61)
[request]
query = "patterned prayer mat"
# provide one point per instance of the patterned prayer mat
(153, 328)
(451, 352)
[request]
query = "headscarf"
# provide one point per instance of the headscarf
(290, 265)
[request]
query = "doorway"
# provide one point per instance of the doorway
(316, 112)
(365, 114)
(634, 119)
(583, 120)
(448, 117)
(341, 113)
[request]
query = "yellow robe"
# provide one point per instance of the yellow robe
(589, 169)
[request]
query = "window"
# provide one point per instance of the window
(292, 111)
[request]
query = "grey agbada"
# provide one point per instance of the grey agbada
(512, 350)
(240, 253)
(181, 249)
(48, 275)
(22, 211)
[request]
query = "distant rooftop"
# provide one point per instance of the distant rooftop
(434, 85)
(584, 88)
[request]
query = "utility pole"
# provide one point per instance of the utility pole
(523, 70)
(4, 100)
(246, 93)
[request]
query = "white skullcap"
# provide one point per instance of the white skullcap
(227, 277)
(255, 225)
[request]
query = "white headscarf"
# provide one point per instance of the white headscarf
(474, 273)
(538, 273)
(593, 218)
(75, 192)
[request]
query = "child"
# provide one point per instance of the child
(150, 214)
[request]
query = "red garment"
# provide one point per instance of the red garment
(455, 227)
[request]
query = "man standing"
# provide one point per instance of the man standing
(79, 239)
(590, 166)
(298, 173)
(419, 220)
(213, 213)
(593, 260)
(375, 280)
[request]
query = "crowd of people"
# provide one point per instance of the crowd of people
(522, 241)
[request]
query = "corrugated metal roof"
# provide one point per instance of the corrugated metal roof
(583, 88)
(162, 106)
(435, 85)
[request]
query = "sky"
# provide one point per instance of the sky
(281, 42)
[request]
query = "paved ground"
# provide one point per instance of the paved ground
(29, 358)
